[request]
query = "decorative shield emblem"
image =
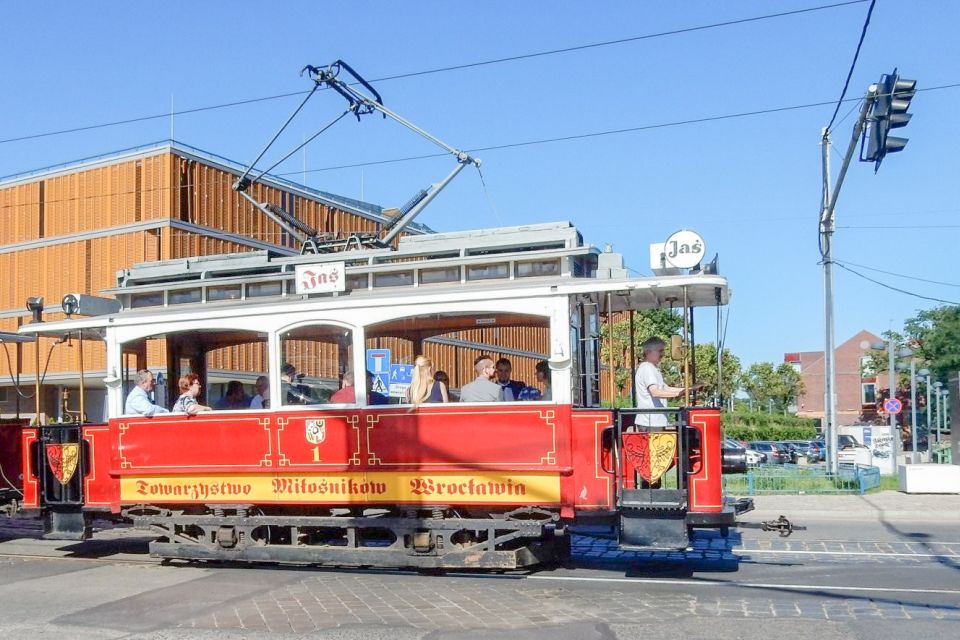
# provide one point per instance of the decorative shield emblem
(316, 431)
(651, 454)
(63, 459)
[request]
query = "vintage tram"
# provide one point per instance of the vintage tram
(312, 480)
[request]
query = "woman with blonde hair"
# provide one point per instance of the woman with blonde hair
(423, 388)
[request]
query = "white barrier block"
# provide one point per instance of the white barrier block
(929, 478)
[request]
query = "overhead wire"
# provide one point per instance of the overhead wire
(853, 65)
(458, 67)
(891, 287)
(901, 275)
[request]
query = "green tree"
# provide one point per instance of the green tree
(934, 335)
(654, 322)
(705, 359)
(765, 382)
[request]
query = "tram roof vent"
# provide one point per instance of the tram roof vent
(610, 265)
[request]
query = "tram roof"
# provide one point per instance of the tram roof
(177, 290)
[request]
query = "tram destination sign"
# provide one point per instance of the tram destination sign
(326, 277)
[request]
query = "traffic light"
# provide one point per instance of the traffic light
(889, 111)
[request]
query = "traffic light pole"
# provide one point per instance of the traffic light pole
(827, 227)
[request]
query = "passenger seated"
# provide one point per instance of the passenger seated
(234, 398)
(441, 376)
(189, 390)
(543, 377)
(347, 394)
(423, 387)
(510, 389)
(262, 399)
(482, 389)
(290, 388)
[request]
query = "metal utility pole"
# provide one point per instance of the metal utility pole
(892, 379)
(913, 410)
(827, 227)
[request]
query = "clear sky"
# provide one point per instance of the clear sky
(749, 185)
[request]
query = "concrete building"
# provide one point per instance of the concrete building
(857, 388)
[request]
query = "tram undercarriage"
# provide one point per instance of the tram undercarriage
(434, 538)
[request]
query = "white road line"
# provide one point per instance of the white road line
(754, 585)
(743, 552)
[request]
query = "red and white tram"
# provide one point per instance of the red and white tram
(486, 485)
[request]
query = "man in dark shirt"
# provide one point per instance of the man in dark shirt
(509, 389)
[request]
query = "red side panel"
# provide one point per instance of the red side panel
(100, 489)
(592, 487)
(706, 487)
(211, 443)
(445, 454)
(31, 486)
(470, 437)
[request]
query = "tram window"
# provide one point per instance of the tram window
(393, 279)
(263, 289)
(488, 272)
(184, 296)
(435, 276)
(538, 268)
(357, 281)
(153, 299)
(319, 356)
(230, 292)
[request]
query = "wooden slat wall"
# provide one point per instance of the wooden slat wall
(20, 213)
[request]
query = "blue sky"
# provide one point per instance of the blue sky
(750, 186)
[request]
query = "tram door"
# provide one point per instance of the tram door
(585, 350)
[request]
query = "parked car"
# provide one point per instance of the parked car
(801, 448)
(816, 452)
(753, 457)
(821, 447)
(775, 454)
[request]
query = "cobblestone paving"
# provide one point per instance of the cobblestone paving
(349, 599)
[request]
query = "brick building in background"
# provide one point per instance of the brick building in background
(857, 390)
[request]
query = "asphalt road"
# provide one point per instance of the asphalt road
(830, 579)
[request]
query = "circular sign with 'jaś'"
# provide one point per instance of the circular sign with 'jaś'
(684, 249)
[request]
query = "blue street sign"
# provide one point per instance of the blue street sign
(867, 436)
(401, 373)
(381, 383)
(378, 361)
(892, 405)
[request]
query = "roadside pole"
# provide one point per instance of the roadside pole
(827, 220)
(826, 238)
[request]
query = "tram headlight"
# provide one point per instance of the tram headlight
(35, 306)
(70, 304)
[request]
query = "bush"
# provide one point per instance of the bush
(745, 425)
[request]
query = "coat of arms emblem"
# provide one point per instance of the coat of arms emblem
(316, 431)
(63, 459)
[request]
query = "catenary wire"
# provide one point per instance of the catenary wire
(595, 134)
(901, 275)
(892, 288)
(853, 65)
(443, 69)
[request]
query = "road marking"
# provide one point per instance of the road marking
(753, 585)
(945, 556)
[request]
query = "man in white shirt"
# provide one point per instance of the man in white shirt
(138, 400)
(262, 399)
(652, 392)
